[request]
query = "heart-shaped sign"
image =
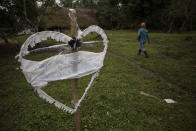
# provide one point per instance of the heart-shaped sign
(62, 66)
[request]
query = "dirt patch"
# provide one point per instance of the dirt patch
(8, 50)
(172, 56)
(188, 38)
(2, 42)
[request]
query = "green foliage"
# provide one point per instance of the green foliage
(12, 16)
(77, 4)
(182, 14)
(66, 3)
(47, 9)
(165, 15)
(17, 15)
(108, 14)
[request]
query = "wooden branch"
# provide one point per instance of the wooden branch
(75, 81)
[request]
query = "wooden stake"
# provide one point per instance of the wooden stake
(75, 81)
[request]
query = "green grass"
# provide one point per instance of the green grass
(171, 56)
(114, 102)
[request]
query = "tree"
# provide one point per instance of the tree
(17, 15)
(13, 17)
(108, 13)
(66, 3)
(47, 8)
(78, 3)
(181, 15)
(172, 15)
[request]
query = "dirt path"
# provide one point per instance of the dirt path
(151, 73)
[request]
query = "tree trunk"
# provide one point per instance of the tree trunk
(186, 14)
(25, 13)
(170, 27)
(191, 24)
(183, 25)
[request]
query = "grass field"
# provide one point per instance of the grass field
(114, 102)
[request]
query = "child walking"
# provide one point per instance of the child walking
(142, 38)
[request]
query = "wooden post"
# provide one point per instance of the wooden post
(75, 81)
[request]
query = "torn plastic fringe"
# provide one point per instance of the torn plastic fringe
(62, 106)
(40, 36)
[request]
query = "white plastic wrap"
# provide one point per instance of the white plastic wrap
(62, 66)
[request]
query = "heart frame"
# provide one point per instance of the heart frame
(40, 36)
